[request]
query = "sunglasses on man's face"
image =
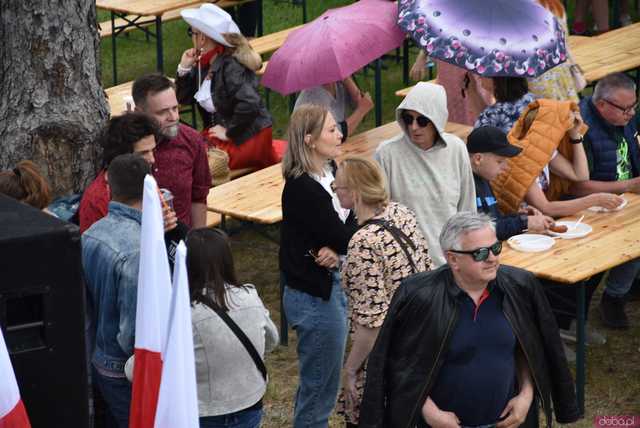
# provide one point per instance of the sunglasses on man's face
(408, 120)
(482, 254)
(190, 32)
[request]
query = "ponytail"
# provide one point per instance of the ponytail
(26, 184)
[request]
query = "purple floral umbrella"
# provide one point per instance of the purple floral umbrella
(489, 37)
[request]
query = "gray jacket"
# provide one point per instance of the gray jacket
(228, 379)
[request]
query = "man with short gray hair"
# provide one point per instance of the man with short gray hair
(468, 344)
(613, 153)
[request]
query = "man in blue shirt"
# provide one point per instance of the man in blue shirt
(613, 152)
(110, 258)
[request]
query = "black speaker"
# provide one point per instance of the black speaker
(42, 313)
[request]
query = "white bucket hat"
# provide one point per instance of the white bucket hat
(212, 21)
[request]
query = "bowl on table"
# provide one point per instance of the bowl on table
(531, 242)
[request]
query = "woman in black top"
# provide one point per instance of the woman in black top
(219, 73)
(315, 231)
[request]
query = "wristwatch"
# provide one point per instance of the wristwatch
(578, 140)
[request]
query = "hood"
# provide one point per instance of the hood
(429, 100)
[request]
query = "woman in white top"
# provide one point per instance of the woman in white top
(230, 385)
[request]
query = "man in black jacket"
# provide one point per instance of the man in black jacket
(489, 149)
(469, 344)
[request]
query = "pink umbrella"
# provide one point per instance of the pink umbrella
(334, 46)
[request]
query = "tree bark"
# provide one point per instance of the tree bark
(52, 104)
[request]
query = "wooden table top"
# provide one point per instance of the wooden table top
(615, 239)
(116, 97)
(271, 42)
(257, 197)
(144, 7)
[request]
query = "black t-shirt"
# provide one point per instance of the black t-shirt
(172, 238)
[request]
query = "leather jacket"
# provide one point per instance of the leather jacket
(407, 356)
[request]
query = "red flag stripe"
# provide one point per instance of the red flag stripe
(16, 418)
(147, 372)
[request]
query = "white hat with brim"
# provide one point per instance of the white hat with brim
(212, 21)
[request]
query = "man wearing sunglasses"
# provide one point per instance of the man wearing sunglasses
(471, 344)
(427, 169)
(613, 152)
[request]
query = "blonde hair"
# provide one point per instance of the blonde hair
(365, 178)
(307, 120)
(242, 51)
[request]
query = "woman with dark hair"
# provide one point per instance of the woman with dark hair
(26, 184)
(315, 233)
(230, 385)
(129, 133)
(512, 96)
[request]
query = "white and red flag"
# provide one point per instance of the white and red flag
(178, 402)
(152, 310)
(12, 411)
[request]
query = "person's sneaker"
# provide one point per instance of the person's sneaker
(594, 337)
(569, 353)
(612, 312)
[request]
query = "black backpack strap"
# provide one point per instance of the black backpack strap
(253, 352)
(401, 238)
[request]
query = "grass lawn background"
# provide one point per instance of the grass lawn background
(613, 370)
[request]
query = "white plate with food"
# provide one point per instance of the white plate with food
(531, 242)
(574, 230)
(598, 209)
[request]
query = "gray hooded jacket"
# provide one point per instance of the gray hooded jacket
(435, 183)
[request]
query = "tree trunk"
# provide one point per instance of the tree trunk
(52, 104)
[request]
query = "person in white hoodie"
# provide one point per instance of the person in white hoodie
(428, 169)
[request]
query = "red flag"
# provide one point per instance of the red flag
(152, 310)
(12, 411)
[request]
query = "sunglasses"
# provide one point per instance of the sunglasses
(190, 32)
(408, 120)
(624, 110)
(482, 254)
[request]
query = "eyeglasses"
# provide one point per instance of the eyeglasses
(482, 254)
(408, 120)
(624, 110)
(334, 187)
(190, 32)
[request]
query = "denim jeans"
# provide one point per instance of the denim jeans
(621, 278)
(117, 395)
(321, 328)
(248, 418)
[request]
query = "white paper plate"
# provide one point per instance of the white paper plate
(598, 209)
(531, 243)
(581, 231)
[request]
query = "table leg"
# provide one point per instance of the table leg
(260, 19)
(284, 329)
(159, 53)
(378, 87)
(580, 346)
(113, 48)
(304, 11)
(405, 62)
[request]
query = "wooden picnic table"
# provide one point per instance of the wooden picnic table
(615, 239)
(141, 13)
(256, 197)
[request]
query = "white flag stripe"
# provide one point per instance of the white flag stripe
(178, 400)
(154, 277)
(9, 392)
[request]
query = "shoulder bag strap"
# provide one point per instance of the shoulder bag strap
(401, 238)
(255, 356)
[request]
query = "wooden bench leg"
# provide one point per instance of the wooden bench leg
(159, 51)
(580, 346)
(378, 87)
(113, 48)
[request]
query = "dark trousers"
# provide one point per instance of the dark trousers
(246, 17)
(563, 298)
(117, 396)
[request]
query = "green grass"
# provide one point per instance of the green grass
(613, 370)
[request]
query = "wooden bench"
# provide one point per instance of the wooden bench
(271, 42)
(256, 197)
(106, 29)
